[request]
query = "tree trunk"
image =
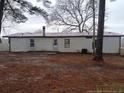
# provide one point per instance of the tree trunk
(79, 27)
(1, 12)
(93, 6)
(99, 46)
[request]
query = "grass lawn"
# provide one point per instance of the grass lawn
(36, 72)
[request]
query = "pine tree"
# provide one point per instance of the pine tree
(15, 10)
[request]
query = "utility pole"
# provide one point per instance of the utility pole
(99, 44)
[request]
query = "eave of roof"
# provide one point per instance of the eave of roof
(57, 36)
(60, 35)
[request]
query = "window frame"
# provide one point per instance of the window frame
(32, 43)
(55, 42)
(66, 43)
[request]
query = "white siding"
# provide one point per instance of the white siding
(23, 44)
(19, 44)
(110, 45)
(122, 42)
(4, 46)
(44, 44)
(76, 44)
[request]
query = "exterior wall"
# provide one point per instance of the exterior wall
(44, 44)
(122, 42)
(19, 44)
(23, 44)
(76, 44)
(4, 46)
(122, 51)
(110, 45)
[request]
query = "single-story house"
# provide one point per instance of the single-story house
(62, 42)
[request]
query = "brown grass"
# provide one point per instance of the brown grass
(60, 73)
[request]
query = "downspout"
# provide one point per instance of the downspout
(120, 45)
(9, 44)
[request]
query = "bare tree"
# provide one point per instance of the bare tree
(1, 12)
(15, 10)
(74, 14)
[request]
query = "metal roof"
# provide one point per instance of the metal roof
(62, 34)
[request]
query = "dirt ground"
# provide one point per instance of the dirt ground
(37, 72)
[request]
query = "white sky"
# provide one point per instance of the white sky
(115, 18)
(114, 23)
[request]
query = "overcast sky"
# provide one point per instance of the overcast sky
(115, 19)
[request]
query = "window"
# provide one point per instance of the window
(67, 43)
(55, 43)
(32, 43)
